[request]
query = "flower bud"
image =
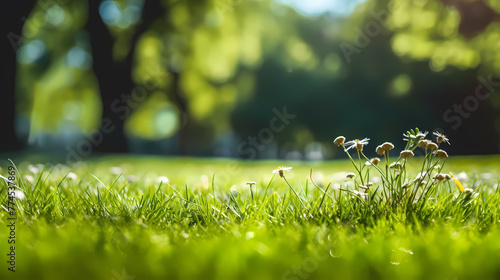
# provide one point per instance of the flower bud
(406, 154)
(440, 177)
(431, 146)
(396, 165)
(441, 154)
(387, 146)
(339, 141)
(422, 143)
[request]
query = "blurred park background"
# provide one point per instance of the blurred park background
(245, 78)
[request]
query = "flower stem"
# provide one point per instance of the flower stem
(360, 168)
(294, 192)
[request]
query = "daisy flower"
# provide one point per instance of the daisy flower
(339, 140)
(431, 146)
(440, 177)
(422, 134)
(407, 137)
(358, 144)
(373, 161)
(423, 143)
(418, 136)
(421, 176)
(363, 195)
(387, 146)
(280, 170)
(441, 137)
(18, 194)
(72, 176)
(406, 154)
(380, 150)
(395, 165)
(441, 154)
(350, 175)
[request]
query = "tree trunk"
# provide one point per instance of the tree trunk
(114, 77)
(11, 34)
(181, 103)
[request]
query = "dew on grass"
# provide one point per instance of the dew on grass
(336, 252)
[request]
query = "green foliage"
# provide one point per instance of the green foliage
(226, 64)
(56, 88)
(429, 30)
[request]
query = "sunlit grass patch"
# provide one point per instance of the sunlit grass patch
(222, 219)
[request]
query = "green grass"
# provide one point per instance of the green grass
(203, 224)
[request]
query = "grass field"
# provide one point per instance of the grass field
(121, 218)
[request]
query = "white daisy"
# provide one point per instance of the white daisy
(419, 136)
(406, 154)
(339, 140)
(441, 137)
(407, 137)
(421, 176)
(350, 175)
(280, 170)
(18, 194)
(71, 175)
(358, 144)
(363, 195)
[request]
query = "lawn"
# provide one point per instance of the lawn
(120, 217)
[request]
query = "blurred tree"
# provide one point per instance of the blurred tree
(207, 74)
(55, 88)
(475, 16)
(113, 71)
(453, 34)
(377, 93)
(209, 49)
